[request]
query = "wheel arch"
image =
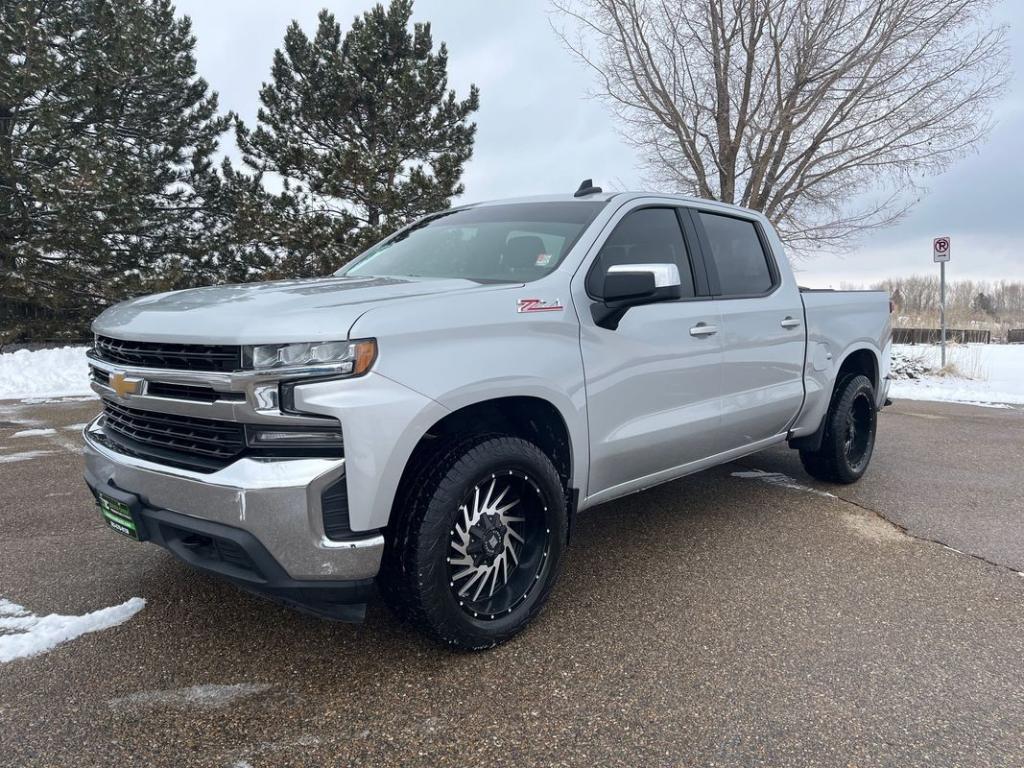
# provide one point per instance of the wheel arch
(858, 359)
(531, 417)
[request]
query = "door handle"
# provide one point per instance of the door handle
(790, 322)
(703, 329)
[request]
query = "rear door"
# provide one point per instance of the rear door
(763, 336)
(652, 383)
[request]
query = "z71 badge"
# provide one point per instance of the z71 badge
(539, 305)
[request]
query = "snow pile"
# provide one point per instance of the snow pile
(35, 432)
(44, 373)
(24, 634)
(11, 458)
(983, 374)
(908, 365)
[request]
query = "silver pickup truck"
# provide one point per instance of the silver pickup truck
(431, 419)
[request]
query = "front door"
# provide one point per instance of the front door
(653, 383)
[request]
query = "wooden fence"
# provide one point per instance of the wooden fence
(1015, 336)
(934, 336)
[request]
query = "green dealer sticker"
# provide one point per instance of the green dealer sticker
(118, 516)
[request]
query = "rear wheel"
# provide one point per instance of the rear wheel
(477, 547)
(849, 438)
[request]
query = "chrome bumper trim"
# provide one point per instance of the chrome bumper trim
(236, 381)
(260, 388)
(278, 501)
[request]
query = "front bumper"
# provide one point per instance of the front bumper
(275, 503)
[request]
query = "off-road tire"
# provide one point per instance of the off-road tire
(414, 576)
(833, 462)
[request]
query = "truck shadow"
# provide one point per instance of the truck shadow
(637, 560)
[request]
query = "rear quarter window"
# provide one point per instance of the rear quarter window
(738, 255)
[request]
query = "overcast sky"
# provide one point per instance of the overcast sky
(538, 132)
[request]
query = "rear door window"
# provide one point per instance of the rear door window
(738, 255)
(645, 236)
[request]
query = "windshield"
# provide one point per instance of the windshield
(516, 243)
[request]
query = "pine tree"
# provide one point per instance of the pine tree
(107, 140)
(363, 133)
(983, 303)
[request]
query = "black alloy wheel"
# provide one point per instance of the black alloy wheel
(477, 541)
(849, 438)
(499, 544)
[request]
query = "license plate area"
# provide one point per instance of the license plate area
(121, 515)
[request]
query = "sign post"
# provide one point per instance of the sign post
(940, 254)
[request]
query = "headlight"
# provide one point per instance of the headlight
(346, 358)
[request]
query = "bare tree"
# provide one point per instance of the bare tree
(824, 114)
(997, 306)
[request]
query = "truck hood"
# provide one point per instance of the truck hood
(318, 309)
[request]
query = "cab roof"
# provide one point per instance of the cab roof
(604, 197)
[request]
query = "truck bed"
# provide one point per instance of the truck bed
(839, 323)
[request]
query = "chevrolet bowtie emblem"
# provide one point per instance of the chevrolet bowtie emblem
(125, 386)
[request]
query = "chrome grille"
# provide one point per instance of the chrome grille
(179, 357)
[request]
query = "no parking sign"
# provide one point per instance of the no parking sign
(940, 249)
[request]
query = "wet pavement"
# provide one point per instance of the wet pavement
(756, 618)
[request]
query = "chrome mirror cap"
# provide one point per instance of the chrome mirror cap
(665, 275)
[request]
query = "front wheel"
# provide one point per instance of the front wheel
(849, 438)
(476, 549)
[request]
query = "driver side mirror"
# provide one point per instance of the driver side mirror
(631, 285)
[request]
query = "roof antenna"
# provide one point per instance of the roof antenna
(587, 188)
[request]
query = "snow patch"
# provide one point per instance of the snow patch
(11, 458)
(781, 481)
(7, 608)
(34, 432)
(39, 400)
(44, 373)
(23, 634)
(204, 697)
(907, 364)
(77, 427)
(990, 374)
